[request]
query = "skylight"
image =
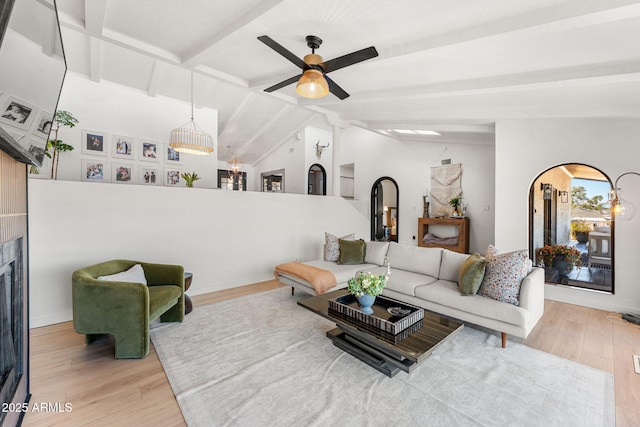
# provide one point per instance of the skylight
(415, 132)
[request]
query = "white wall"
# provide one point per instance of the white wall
(525, 148)
(313, 135)
(226, 238)
(296, 156)
(409, 164)
(289, 156)
(119, 110)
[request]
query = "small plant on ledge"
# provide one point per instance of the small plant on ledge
(190, 178)
(455, 204)
(550, 253)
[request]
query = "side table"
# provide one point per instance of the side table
(188, 306)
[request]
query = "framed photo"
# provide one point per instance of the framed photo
(37, 147)
(94, 143)
(44, 123)
(95, 170)
(172, 177)
(124, 147)
(149, 175)
(150, 150)
(172, 156)
(123, 173)
(17, 113)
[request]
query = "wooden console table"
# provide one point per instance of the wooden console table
(463, 232)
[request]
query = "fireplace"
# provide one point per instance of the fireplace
(12, 327)
(14, 294)
(34, 76)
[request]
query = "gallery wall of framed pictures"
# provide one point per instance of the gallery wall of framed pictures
(123, 139)
(27, 124)
(122, 159)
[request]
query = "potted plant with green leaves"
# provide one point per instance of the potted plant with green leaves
(190, 178)
(580, 230)
(455, 204)
(365, 287)
(561, 257)
(55, 146)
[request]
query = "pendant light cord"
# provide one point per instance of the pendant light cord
(192, 95)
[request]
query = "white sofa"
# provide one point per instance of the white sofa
(427, 277)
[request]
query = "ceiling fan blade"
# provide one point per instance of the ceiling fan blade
(349, 59)
(282, 51)
(283, 83)
(335, 89)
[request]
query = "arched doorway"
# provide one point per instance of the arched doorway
(317, 180)
(566, 223)
(385, 215)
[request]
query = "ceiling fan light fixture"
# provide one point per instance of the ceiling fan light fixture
(312, 84)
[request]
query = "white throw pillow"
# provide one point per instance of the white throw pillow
(503, 275)
(135, 274)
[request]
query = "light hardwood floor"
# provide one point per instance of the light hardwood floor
(104, 391)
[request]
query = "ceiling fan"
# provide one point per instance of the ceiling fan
(314, 82)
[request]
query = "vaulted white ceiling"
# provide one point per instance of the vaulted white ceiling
(453, 67)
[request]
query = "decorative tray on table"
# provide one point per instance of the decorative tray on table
(389, 315)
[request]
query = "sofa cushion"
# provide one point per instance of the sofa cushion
(376, 251)
(402, 280)
(450, 265)
(332, 247)
(351, 251)
(415, 259)
(446, 293)
(134, 275)
(503, 276)
(471, 274)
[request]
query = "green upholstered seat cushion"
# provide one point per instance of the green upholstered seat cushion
(133, 275)
(352, 251)
(161, 298)
(471, 274)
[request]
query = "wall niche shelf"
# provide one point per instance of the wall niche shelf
(462, 225)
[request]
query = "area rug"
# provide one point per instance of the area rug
(264, 360)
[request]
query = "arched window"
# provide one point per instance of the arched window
(568, 234)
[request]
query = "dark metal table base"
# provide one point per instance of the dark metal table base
(365, 353)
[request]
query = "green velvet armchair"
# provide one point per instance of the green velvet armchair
(124, 309)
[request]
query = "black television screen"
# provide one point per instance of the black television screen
(32, 70)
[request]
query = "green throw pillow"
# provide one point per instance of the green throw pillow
(471, 274)
(352, 251)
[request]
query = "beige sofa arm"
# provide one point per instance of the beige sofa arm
(532, 293)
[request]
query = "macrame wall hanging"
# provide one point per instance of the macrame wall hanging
(446, 184)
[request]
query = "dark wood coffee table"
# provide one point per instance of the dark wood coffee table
(377, 349)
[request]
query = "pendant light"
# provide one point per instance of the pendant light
(234, 166)
(189, 139)
(621, 208)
